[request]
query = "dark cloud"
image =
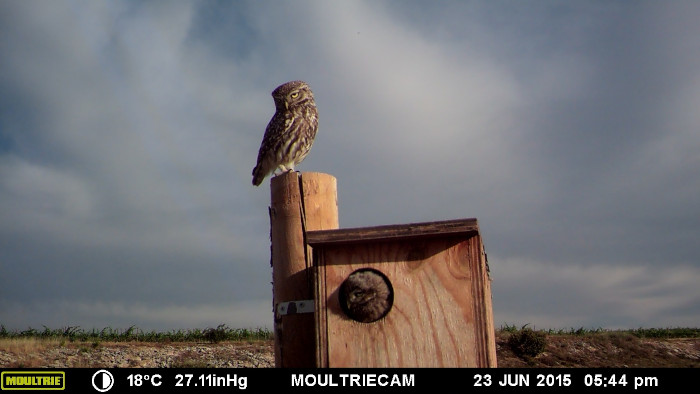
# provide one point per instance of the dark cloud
(128, 132)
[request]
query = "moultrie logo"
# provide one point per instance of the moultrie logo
(33, 380)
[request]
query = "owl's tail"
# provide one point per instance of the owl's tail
(258, 175)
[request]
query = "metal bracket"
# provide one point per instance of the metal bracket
(295, 307)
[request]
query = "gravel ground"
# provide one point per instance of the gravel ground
(561, 351)
(142, 355)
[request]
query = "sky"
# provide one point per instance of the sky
(129, 130)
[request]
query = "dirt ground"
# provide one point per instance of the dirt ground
(561, 351)
(606, 351)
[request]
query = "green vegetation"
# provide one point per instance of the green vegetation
(133, 333)
(224, 333)
(597, 347)
(527, 343)
(666, 333)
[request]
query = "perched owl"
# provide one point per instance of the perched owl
(291, 131)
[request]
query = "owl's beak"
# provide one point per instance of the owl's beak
(286, 104)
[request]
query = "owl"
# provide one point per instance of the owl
(291, 131)
(366, 295)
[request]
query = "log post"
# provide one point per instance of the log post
(299, 203)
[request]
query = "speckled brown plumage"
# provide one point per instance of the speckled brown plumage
(291, 131)
(366, 296)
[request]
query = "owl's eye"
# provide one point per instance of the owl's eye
(294, 95)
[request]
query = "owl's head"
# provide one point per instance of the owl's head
(292, 94)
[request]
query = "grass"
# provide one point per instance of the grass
(517, 346)
(597, 347)
(224, 333)
(31, 348)
(133, 333)
(28, 345)
(665, 333)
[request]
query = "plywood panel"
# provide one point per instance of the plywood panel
(439, 316)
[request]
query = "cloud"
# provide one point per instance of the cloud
(614, 296)
(129, 130)
(112, 189)
(90, 315)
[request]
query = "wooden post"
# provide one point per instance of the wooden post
(299, 203)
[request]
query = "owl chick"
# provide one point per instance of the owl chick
(291, 131)
(366, 296)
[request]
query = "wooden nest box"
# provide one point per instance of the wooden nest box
(430, 286)
(411, 295)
